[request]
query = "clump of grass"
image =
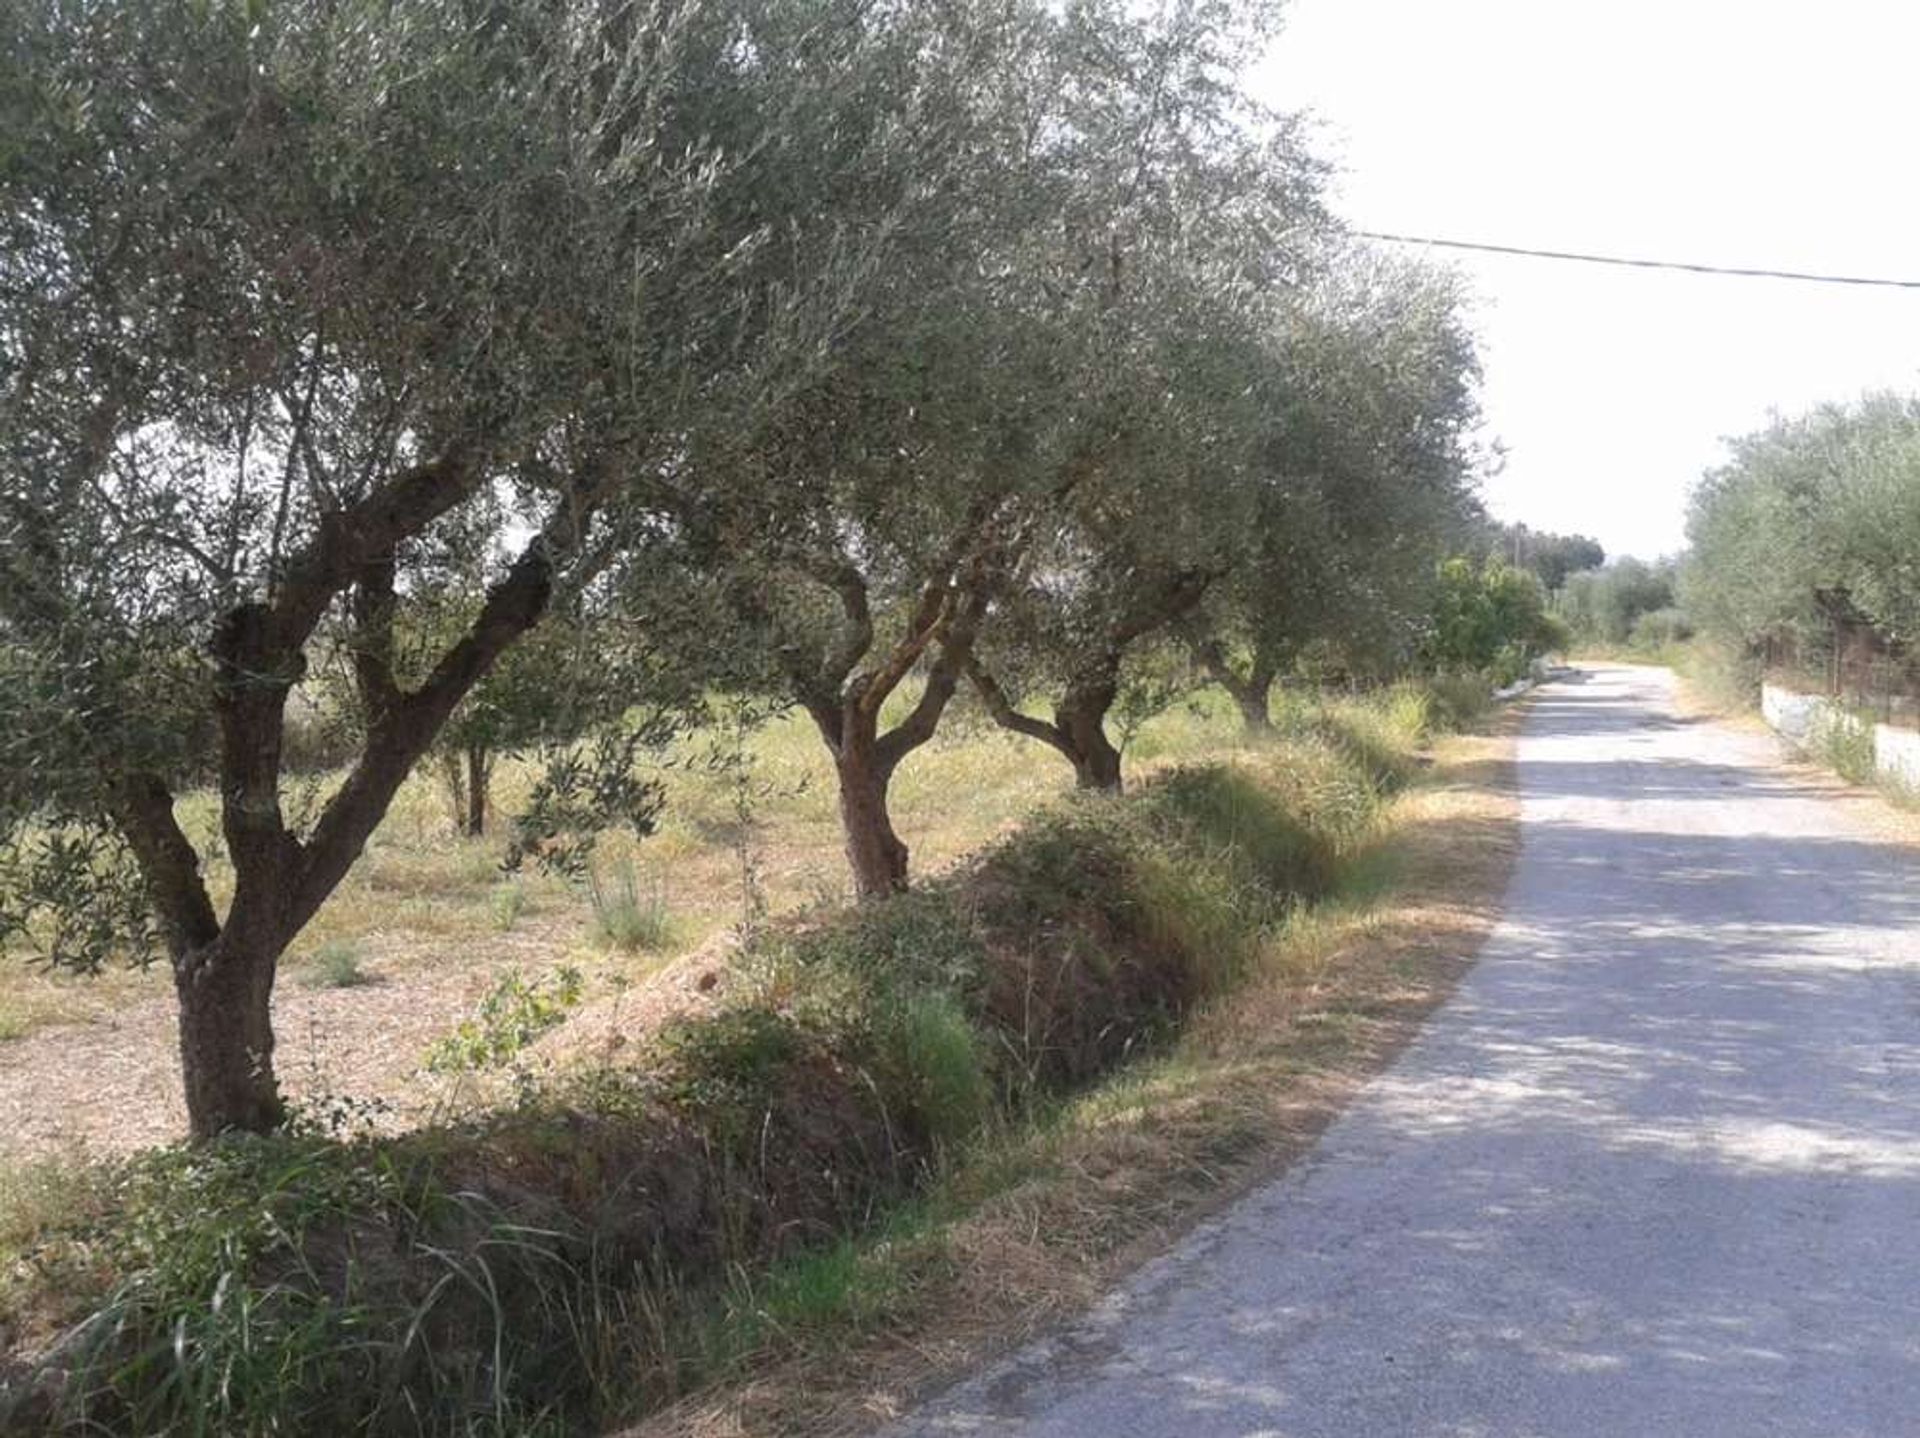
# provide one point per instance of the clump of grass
(627, 916)
(1720, 676)
(1458, 701)
(506, 903)
(1844, 743)
(336, 964)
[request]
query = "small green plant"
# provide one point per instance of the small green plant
(506, 904)
(514, 1013)
(336, 964)
(626, 916)
(1844, 743)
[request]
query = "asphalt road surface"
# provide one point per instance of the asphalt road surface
(1655, 1170)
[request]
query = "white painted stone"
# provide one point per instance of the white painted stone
(1896, 754)
(1798, 717)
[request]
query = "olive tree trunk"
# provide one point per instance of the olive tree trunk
(1078, 730)
(479, 777)
(225, 993)
(875, 853)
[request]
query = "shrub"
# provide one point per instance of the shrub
(513, 1014)
(1844, 743)
(336, 964)
(508, 1274)
(1659, 628)
(506, 903)
(1459, 700)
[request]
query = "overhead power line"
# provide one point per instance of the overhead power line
(1642, 264)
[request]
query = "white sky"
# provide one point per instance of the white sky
(1743, 132)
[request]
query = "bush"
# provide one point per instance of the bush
(513, 1014)
(336, 965)
(1459, 700)
(1844, 743)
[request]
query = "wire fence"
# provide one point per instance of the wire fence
(1862, 674)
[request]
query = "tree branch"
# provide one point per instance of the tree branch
(512, 607)
(143, 811)
(961, 627)
(1000, 709)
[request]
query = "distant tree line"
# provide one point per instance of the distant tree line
(1553, 557)
(1628, 602)
(483, 376)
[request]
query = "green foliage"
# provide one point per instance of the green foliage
(1660, 629)
(1844, 743)
(1228, 818)
(1606, 606)
(1489, 617)
(506, 903)
(1826, 503)
(1553, 557)
(1458, 701)
(72, 895)
(583, 791)
(512, 1275)
(929, 1053)
(626, 915)
(336, 965)
(513, 1013)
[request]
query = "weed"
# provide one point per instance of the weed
(513, 1014)
(745, 1181)
(624, 915)
(1844, 743)
(336, 964)
(506, 904)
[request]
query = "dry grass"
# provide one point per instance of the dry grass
(1039, 1223)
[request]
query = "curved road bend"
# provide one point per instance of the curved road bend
(1655, 1170)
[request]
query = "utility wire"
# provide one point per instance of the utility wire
(1639, 264)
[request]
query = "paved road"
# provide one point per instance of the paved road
(1655, 1170)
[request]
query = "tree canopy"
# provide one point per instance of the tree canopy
(1825, 504)
(805, 349)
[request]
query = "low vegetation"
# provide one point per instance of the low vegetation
(623, 1232)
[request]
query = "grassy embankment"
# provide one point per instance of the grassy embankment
(949, 1117)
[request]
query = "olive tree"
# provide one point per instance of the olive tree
(284, 292)
(1368, 468)
(1826, 503)
(876, 517)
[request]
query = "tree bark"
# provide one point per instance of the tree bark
(479, 771)
(1252, 694)
(1081, 718)
(1078, 732)
(875, 853)
(226, 1038)
(1254, 712)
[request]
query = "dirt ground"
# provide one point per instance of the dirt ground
(112, 1085)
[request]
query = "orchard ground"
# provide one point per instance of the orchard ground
(428, 923)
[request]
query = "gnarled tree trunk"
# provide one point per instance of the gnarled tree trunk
(1081, 718)
(1251, 693)
(226, 1038)
(1078, 732)
(876, 854)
